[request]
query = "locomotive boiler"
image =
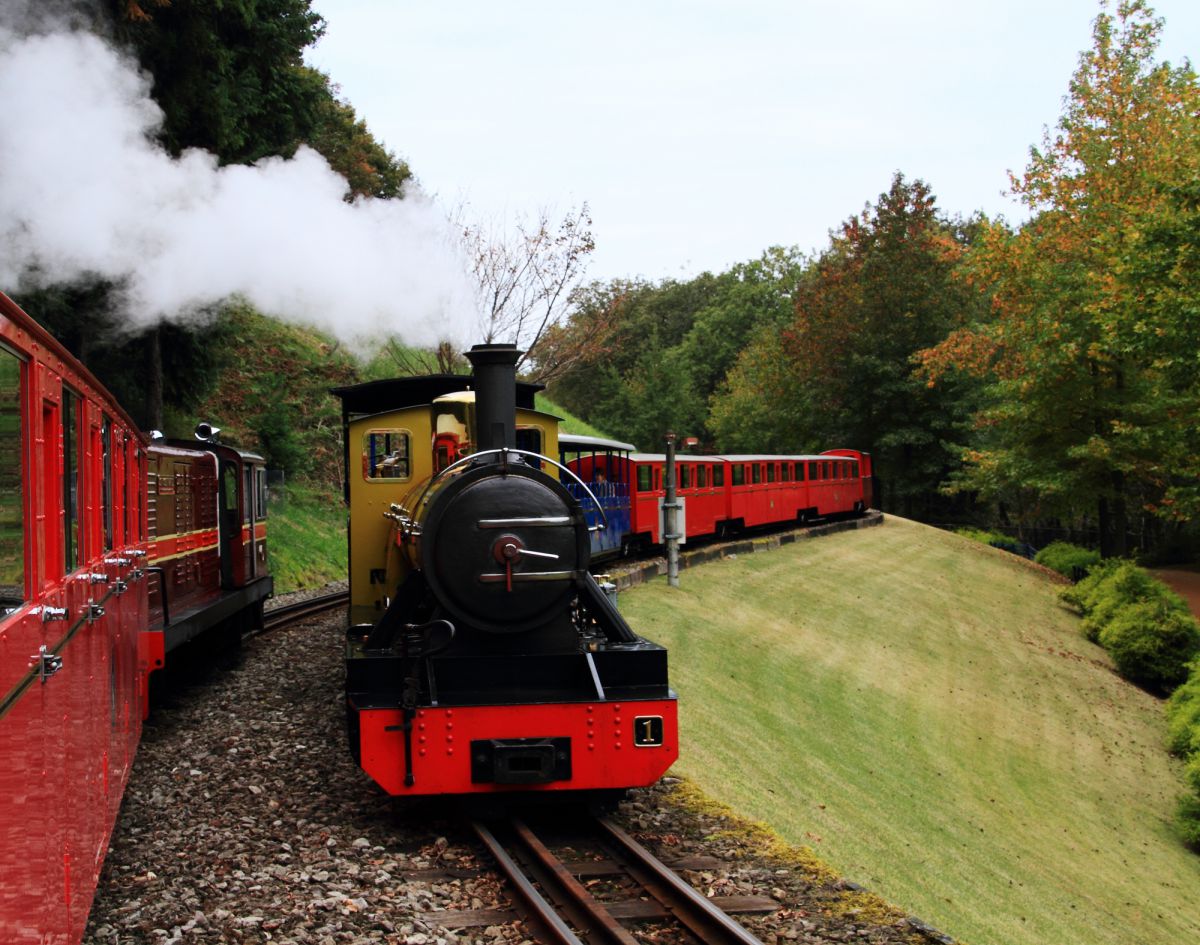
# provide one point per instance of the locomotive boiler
(482, 655)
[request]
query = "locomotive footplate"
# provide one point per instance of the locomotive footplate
(520, 760)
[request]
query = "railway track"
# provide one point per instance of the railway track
(300, 610)
(587, 882)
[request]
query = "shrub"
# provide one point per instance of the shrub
(1124, 585)
(1151, 641)
(1183, 715)
(1065, 558)
(1081, 595)
(1188, 820)
(983, 536)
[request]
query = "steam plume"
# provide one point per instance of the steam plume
(85, 191)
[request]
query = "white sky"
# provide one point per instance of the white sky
(702, 132)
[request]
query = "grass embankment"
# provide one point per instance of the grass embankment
(570, 422)
(922, 712)
(306, 537)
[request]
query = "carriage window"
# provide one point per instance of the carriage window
(71, 481)
(786, 471)
(247, 494)
(106, 485)
(385, 455)
(231, 496)
(643, 478)
(260, 493)
(854, 470)
(718, 475)
(770, 472)
(756, 473)
(130, 474)
(657, 479)
(12, 508)
(685, 476)
(701, 477)
(739, 474)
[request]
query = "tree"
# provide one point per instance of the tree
(345, 141)
(1071, 348)
(229, 76)
(524, 279)
(841, 373)
(652, 355)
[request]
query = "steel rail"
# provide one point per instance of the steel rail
(311, 607)
(701, 917)
(530, 859)
(542, 913)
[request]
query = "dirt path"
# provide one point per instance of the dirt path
(1185, 582)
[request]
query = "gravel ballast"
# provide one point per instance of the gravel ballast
(246, 820)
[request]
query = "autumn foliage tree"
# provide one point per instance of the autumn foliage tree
(1092, 401)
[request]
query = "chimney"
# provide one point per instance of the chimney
(495, 395)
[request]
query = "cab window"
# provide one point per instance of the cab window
(12, 499)
(529, 439)
(386, 455)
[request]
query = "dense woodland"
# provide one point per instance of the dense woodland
(1041, 377)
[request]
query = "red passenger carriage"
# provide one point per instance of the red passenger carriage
(82, 544)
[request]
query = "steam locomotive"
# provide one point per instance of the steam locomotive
(482, 657)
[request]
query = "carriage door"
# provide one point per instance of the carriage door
(229, 521)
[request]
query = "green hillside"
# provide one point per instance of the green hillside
(920, 711)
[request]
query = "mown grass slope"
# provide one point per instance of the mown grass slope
(920, 710)
(306, 538)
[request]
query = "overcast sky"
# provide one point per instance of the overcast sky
(701, 132)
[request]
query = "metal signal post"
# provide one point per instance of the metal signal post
(671, 516)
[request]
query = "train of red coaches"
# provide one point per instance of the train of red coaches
(720, 495)
(115, 550)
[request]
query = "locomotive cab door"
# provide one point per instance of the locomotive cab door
(229, 520)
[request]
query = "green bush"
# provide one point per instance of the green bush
(1191, 774)
(1183, 716)
(1151, 641)
(995, 539)
(1126, 584)
(1188, 820)
(1063, 557)
(1081, 595)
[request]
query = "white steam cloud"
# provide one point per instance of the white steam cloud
(85, 191)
